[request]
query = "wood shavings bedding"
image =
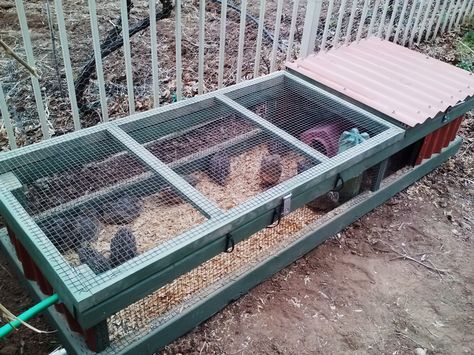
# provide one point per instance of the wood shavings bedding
(216, 270)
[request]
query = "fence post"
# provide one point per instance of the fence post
(310, 29)
(351, 22)
(294, 17)
(327, 22)
(179, 63)
(240, 55)
(31, 61)
(6, 119)
(127, 55)
(276, 35)
(392, 20)
(98, 59)
(258, 50)
(154, 54)
(220, 74)
(342, 12)
(67, 63)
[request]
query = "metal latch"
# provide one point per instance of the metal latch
(281, 211)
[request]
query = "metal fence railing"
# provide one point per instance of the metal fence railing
(115, 58)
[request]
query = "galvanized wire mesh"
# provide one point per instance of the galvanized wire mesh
(312, 118)
(107, 198)
(173, 299)
(228, 157)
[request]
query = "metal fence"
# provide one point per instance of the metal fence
(80, 64)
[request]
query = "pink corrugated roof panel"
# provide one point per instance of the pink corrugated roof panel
(401, 83)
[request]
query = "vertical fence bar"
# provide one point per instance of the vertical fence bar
(432, 19)
(294, 17)
(154, 54)
(373, 18)
(408, 25)
(468, 14)
(276, 35)
(240, 55)
(362, 20)
(342, 12)
(453, 14)
(220, 74)
(392, 20)
(415, 24)
(440, 19)
(311, 24)
(6, 119)
(446, 16)
(382, 19)
(258, 50)
(471, 13)
(423, 21)
(461, 12)
(351, 22)
(400, 21)
(327, 22)
(179, 63)
(58, 8)
(31, 61)
(98, 59)
(202, 18)
(127, 55)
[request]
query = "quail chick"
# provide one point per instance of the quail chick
(121, 211)
(95, 260)
(123, 247)
(270, 170)
(325, 203)
(84, 230)
(58, 232)
(275, 146)
(169, 194)
(219, 168)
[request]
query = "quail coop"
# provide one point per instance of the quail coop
(146, 226)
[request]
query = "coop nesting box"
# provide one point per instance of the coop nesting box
(148, 225)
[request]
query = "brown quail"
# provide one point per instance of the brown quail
(270, 170)
(219, 168)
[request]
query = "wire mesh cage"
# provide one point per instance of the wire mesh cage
(134, 215)
(223, 154)
(309, 116)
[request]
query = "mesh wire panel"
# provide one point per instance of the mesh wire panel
(169, 301)
(226, 156)
(308, 115)
(100, 206)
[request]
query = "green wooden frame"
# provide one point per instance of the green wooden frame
(149, 271)
(159, 266)
(205, 308)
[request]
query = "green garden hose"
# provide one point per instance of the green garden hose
(28, 314)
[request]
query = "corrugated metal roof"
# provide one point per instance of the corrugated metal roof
(401, 83)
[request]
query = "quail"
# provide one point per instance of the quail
(325, 203)
(123, 247)
(270, 170)
(123, 210)
(169, 194)
(219, 168)
(58, 232)
(95, 260)
(84, 229)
